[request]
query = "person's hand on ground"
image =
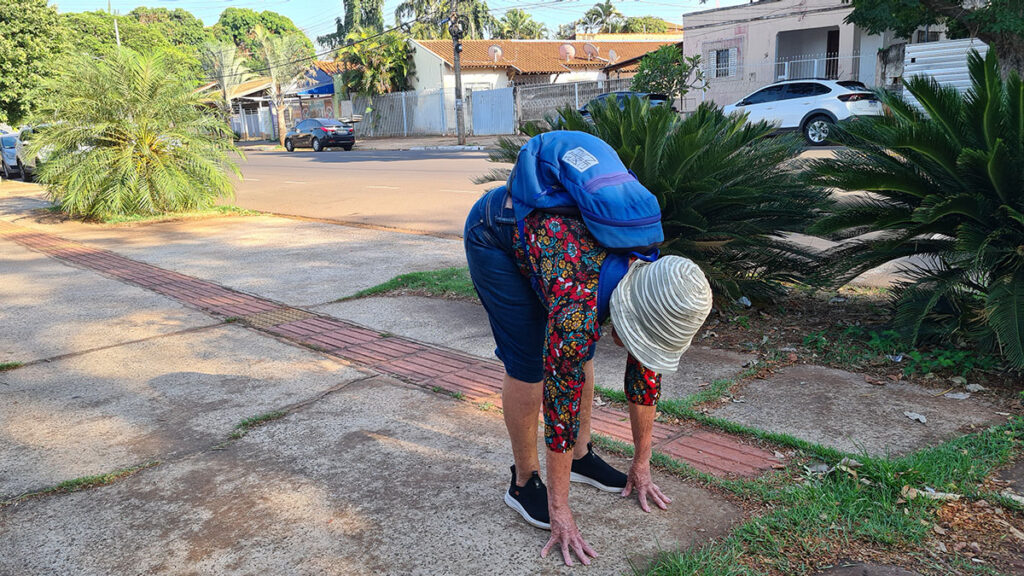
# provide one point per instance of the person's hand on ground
(639, 479)
(566, 535)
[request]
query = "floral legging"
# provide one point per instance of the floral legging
(563, 261)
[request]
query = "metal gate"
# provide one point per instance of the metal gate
(494, 111)
(945, 62)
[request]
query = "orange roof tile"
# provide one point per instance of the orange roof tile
(538, 56)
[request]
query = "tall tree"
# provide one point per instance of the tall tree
(358, 14)
(30, 38)
(998, 23)
(239, 26)
(285, 59)
(645, 25)
(431, 18)
(179, 27)
(375, 65)
(92, 33)
(223, 65)
(606, 16)
(518, 25)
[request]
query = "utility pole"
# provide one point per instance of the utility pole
(117, 33)
(455, 27)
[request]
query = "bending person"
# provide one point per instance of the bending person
(547, 284)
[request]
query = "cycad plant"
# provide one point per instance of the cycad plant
(729, 200)
(942, 185)
(126, 135)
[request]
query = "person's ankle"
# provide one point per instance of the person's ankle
(580, 450)
(523, 478)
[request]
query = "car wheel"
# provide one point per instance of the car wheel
(6, 172)
(347, 147)
(25, 176)
(317, 145)
(817, 129)
(288, 145)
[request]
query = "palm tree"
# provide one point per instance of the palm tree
(128, 135)
(431, 18)
(375, 66)
(945, 187)
(225, 66)
(286, 59)
(606, 16)
(518, 25)
(725, 203)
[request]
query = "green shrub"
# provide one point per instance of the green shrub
(727, 199)
(946, 187)
(127, 135)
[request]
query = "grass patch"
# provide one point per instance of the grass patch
(5, 366)
(84, 483)
(243, 427)
(447, 283)
(214, 211)
(816, 518)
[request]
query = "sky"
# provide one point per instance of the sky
(316, 17)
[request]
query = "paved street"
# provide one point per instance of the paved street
(427, 191)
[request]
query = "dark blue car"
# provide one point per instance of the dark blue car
(621, 97)
(320, 133)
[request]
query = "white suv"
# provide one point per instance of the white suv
(811, 106)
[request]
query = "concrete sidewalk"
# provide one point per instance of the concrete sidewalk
(358, 473)
(450, 143)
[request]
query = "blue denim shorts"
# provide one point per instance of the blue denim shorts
(517, 315)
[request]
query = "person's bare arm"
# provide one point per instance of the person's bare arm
(641, 420)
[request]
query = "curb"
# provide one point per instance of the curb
(448, 148)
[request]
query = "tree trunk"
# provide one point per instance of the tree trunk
(280, 123)
(1010, 49)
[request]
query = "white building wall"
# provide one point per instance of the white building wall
(752, 30)
(578, 76)
(428, 67)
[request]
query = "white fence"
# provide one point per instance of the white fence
(535, 103)
(432, 112)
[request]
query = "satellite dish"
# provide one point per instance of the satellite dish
(494, 52)
(566, 52)
(591, 51)
(613, 56)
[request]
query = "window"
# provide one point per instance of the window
(304, 125)
(926, 36)
(769, 94)
(723, 63)
(806, 90)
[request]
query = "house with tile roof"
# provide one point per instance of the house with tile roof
(490, 64)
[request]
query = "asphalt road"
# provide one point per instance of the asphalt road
(423, 191)
(426, 191)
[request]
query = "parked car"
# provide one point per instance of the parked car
(621, 97)
(320, 133)
(9, 156)
(810, 106)
(27, 165)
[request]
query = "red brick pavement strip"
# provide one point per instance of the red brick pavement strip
(475, 379)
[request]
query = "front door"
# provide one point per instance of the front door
(832, 55)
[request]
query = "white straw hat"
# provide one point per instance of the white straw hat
(657, 309)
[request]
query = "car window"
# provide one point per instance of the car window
(8, 141)
(330, 122)
(769, 94)
(304, 125)
(806, 90)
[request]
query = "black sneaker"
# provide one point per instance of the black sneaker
(591, 469)
(531, 501)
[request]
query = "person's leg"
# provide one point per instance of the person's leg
(520, 403)
(586, 407)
